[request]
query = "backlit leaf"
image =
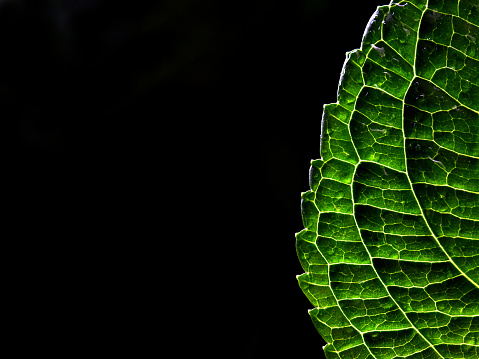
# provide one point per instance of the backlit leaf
(390, 247)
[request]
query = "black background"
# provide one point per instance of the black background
(162, 149)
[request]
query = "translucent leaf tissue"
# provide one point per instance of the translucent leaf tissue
(390, 247)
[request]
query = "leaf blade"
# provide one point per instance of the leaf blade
(403, 137)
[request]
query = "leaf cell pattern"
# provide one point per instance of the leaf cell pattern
(390, 246)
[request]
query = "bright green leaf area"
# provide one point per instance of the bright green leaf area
(390, 247)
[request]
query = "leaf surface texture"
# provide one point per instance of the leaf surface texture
(390, 246)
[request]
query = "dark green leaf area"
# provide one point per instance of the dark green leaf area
(426, 96)
(335, 329)
(420, 248)
(380, 220)
(377, 76)
(377, 143)
(372, 174)
(430, 58)
(420, 4)
(417, 124)
(374, 314)
(451, 70)
(466, 66)
(469, 11)
(389, 61)
(412, 273)
(355, 281)
(458, 351)
(429, 319)
(383, 188)
(332, 196)
(455, 296)
(458, 84)
(466, 37)
(450, 81)
(465, 254)
(457, 130)
(400, 28)
(342, 251)
(429, 163)
(426, 163)
(444, 6)
(395, 200)
(338, 226)
(412, 299)
(397, 344)
(441, 328)
(379, 107)
(449, 225)
(338, 140)
(436, 27)
(444, 199)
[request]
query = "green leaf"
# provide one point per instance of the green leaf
(390, 247)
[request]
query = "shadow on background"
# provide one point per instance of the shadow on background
(162, 148)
